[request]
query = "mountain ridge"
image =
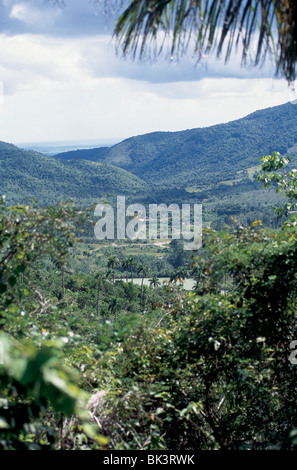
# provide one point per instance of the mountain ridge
(169, 157)
(216, 166)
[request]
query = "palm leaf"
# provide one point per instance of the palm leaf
(212, 25)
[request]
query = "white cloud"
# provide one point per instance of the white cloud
(119, 107)
(29, 61)
(32, 15)
(64, 88)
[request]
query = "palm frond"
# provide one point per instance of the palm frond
(212, 25)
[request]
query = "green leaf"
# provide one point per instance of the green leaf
(4, 424)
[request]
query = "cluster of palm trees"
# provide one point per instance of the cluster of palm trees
(180, 275)
(129, 264)
(114, 262)
(142, 271)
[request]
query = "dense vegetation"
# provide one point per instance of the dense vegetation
(91, 362)
(26, 174)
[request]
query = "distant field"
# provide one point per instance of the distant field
(231, 182)
(252, 170)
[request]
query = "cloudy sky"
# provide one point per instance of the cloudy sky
(61, 80)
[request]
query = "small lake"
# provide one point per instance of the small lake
(188, 284)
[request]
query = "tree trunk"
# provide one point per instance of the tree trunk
(142, 303)
(63, 284)
(98, 299)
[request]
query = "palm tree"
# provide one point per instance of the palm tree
(99, 283)
(154, 281)
(126, 265)
(196, 271)
(181, 274)
(61, 265)
(143, 271)
(112, 262)
(210, 26)
(114, 306)
(108, 274)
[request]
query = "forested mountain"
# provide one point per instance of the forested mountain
(216, 166)
(26, 174)
(203, 156)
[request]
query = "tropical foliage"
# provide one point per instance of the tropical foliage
(216, 26)
(113, 365)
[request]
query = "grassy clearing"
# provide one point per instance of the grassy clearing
(252, 170)
(231, 182)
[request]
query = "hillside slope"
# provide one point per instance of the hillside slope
(26, 174)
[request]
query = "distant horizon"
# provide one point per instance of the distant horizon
(58, 146)
(68, 141)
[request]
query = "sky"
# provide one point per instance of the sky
(61, 80)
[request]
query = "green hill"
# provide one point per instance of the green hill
(93, 154)
(204, 156)
(216, 166)
(26, 174)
